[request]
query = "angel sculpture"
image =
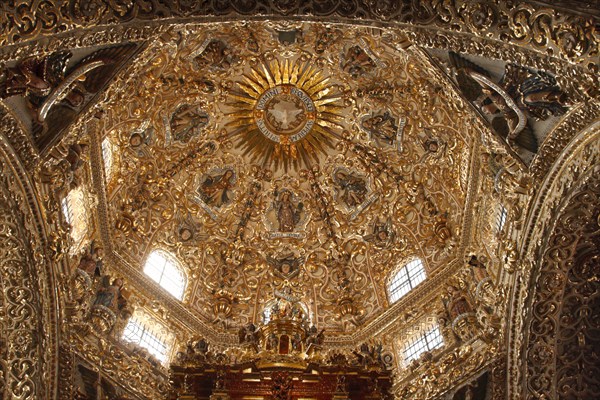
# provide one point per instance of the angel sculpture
(353, 189)
(521, 92)
(383, 233)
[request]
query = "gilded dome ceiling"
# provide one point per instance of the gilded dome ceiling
(270, 155)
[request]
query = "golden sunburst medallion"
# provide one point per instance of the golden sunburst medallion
(285, 112)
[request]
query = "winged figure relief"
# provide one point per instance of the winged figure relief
(520, 93)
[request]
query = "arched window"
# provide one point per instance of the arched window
(163, 269)
(426, 341)
(107, 156)
(406, 279)
(75, 213)
(146, 333)
(501, 218)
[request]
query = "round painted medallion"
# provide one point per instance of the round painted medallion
(284, 111)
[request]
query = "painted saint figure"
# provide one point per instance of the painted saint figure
(186, 122)
(216, 190)
(382, 128)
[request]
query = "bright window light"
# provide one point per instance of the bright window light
(75, 212)
(107, 156)
(406, 279)
(163, 269)
(140, 334)
(427, 341)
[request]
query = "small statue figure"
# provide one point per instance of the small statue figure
(353, 189)
(285, 266)
(186, 122)
(216, 190)
(216, 56)
(477, 268)
(456, 302)
(273, 342)
(35, 76)
(288, 213)
(201, 347)
(297, 342)
(108, 295)
(91, 262)
(248, 334)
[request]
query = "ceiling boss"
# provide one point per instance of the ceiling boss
(285, 112)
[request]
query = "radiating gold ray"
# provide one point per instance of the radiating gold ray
(276, 69)
(246, 114)
(251, 88)
(326, 100)
(239, 122)
(326, 116)
(259, 79)
(268, 75)
(322, 93)
(314, 83)
(307, 73)
(294, 74)
(243, 99)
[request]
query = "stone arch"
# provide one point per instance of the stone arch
(564, 330)
(28, 307)
(553, 326)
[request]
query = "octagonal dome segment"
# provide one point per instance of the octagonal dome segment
(319, 165)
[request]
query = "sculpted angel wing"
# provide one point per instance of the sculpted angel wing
(463, 67)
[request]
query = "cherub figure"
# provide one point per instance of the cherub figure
(382, 235)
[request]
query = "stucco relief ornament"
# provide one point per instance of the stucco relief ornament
(185, 123)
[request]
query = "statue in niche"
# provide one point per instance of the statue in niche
(216, 56)
(91, 261)
(109, 295)
(326, 38)
(288, 211)
(186, 122)
(215, 190)
(357, 62)
(249, 334)
(352, 189)
(382, 234)
(477, 268)
(456, 302)
(381, 127)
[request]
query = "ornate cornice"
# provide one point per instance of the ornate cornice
(568, 36)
